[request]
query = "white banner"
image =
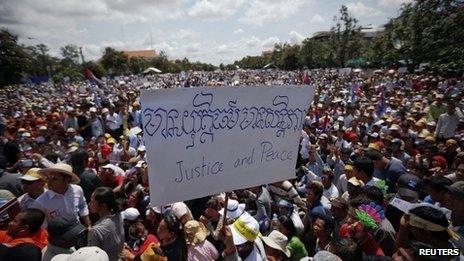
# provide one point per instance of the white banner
(202, 141)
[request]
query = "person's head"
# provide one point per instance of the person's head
(373, 193)
(137, 231)
(327, 177)
(66, 231)
(377, 158)
(212, 209)
(349, 171)
(275, 245)
(428, 225)
(323, 225)
(285, 207)
(79, 160)
(59, 176)
(408, 187)
(345, 248)
(345, 154)
(169, 228)
(182, 212)
(107, 173)
(103, 201)
(26, 223)
(244, 230)
(135, 198)
(339, 208)
(363, 169)
(314, 191)
(455, 200)
(286, 226)
(33, 183)
(451, 107)
(439, 161)
(436, 188)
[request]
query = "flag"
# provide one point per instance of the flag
(89, 75)
(354, 91)
(381, 106)
(306, 79)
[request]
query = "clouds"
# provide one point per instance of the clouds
(317, 19)
(206, 30)
(360, 10)
(393, 2)
(260, 12)
(296, 38)
(214, 9)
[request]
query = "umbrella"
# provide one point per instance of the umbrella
(152, 69)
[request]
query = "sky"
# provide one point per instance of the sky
(213, 31)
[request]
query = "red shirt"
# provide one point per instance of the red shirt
(39, 239)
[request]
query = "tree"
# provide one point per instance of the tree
(431, 31)
(70, 54)
(346, 37)
(289, 59)
(13, 58)
(115, 62)
(138, 65)
(316, 54)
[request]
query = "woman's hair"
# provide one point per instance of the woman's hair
(174, 225)
(105, 195)
(288, 224)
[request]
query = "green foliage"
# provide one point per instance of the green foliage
(346, 38)
(13, 58)
(114, 62)
(425, 31)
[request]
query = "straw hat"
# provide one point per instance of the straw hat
(63, 169)
(195, 232)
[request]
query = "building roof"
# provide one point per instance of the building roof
(141, 54)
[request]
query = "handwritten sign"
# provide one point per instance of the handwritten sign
(202, 141)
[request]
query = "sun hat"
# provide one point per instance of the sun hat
(234, 209)
(32, 175)
(91, 253)
(195, 232)
(131, 214)
(62, 168)
(278, 241)
(180, 209)
(244, 229)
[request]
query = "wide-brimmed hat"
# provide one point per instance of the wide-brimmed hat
(195, 232)
(63, 169)
(234, 209)
(244, 229)
(277, 241)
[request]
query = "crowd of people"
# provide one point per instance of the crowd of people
(380, 174)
